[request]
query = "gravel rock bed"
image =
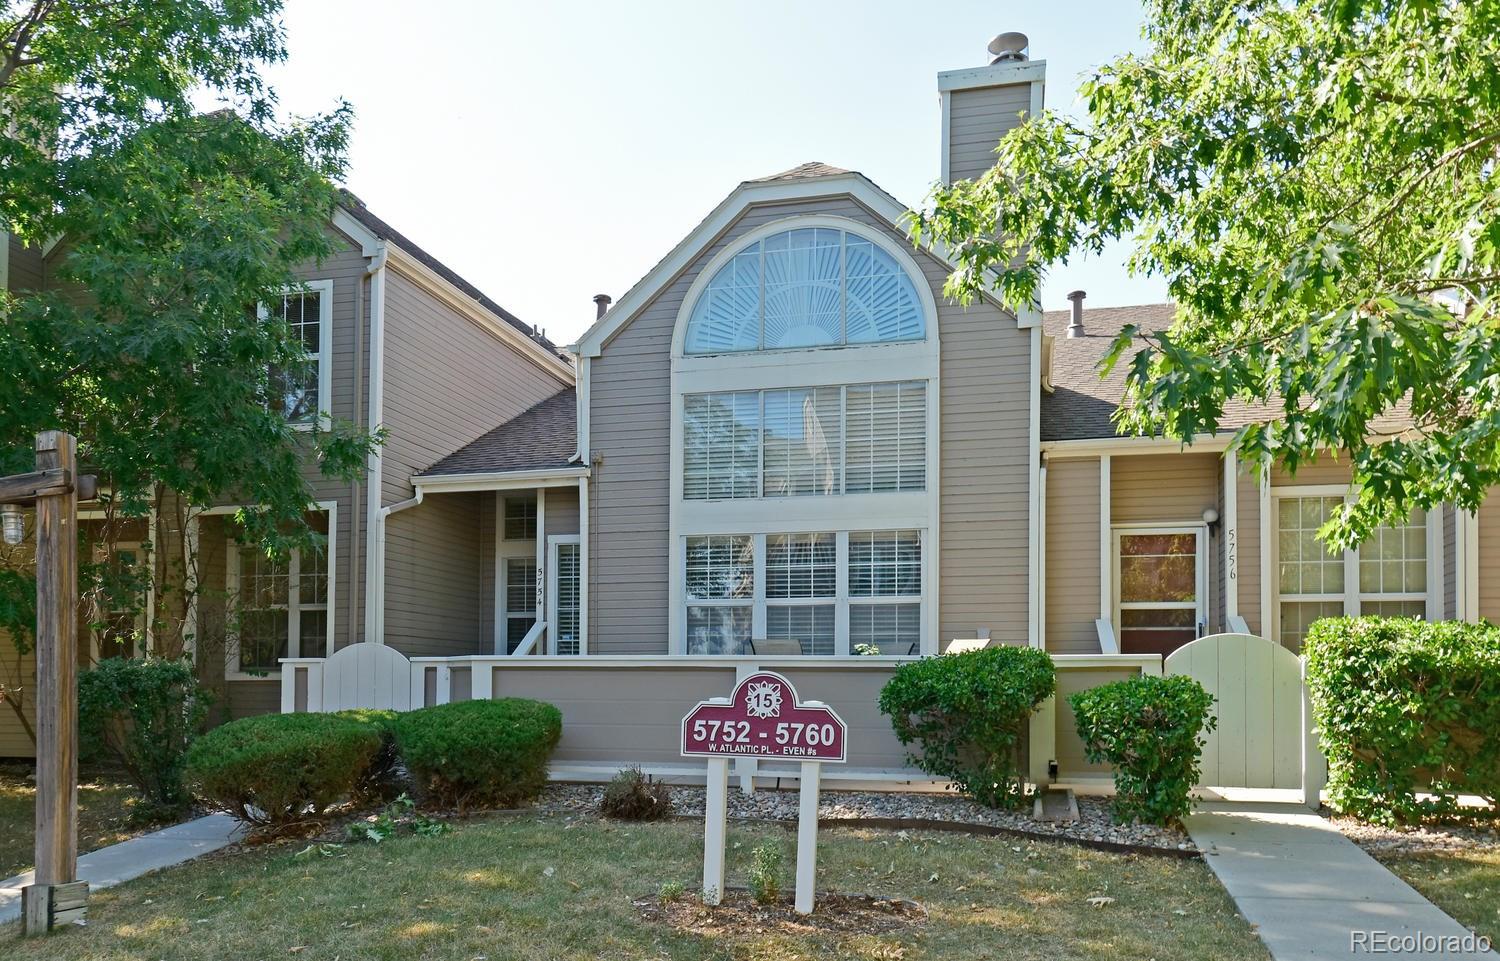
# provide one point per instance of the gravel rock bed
(1435, 839)
(1094, 825)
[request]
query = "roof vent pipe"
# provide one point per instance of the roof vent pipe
(601, 304)
(1009, 48)
(1075, 326)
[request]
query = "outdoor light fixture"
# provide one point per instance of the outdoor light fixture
(14, 523)
(1210, 516)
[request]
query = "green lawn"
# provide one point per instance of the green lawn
(104, 804)
(549, 887)
(1466, 885)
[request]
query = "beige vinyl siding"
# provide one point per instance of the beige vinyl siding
(1489, 558)
(25, 269)
(562, 510)
(1247, 559)
(984, 408)
(447, 381)
(1072, 574)
(434, 591)
(977, 119)
(1325, 470)
(1163, 488)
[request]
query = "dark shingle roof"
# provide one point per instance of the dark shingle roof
(1081, 404)
(542, 437)
(385, 231)
(808, 171)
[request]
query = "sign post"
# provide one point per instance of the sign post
(762, 719)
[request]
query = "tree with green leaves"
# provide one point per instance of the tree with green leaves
(1316, 182)
(169, 226)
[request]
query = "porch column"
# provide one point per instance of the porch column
(583, 565)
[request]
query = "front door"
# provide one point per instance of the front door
(1160, 586)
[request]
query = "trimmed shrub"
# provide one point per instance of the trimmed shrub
(968, 712)
(382, 780)
(1149, 729)
(281, 769)
(1404, 706)
(144, 714)
(486, 753)
(630, 796)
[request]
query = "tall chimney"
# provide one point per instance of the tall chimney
(1075, 326)
(601, 304)
(980, 104)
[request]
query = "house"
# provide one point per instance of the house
(786, 449)
(405, 343)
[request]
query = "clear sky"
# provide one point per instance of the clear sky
(551, 151)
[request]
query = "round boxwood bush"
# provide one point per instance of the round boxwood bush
(487, 753)
(968, 712)
(631, 796)
(1406, 706)
(1148, 729)
(280, 769)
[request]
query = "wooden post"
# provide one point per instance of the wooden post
(715, 820)
(807, 836)
(57, 684)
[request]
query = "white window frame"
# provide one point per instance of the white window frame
(1200, 588)
(841, 601)
(146, 558)
(807, 367)
(505, 550)
(232, 671)
(324, 289)
(553, 542)
(1352, 598)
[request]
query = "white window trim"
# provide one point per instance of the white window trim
(806, 367)
(1199, 606)
(553, 541)
(324, 289)
(232, 583)
(1352, 597)
(508, 549)
(758, 602)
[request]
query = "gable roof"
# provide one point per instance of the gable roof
(356, 208)
(802, 182)
(543, 437)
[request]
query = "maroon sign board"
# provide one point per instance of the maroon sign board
(764, 719)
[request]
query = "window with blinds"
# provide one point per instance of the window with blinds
(567, 632)
(885, 428)
(855, 439)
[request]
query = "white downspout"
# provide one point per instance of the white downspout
(374, 515)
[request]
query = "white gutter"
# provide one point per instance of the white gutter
(374, 514)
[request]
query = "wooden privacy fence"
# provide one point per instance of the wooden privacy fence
(625, 710)
(1265, 736)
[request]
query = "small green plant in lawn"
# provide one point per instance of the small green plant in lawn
(631, 796)
(1408, 713)
(400, 813)
(765, 873)
(968, 712)
(671, 891)
(1148, 729)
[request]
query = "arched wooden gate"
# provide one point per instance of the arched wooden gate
(1262, 734)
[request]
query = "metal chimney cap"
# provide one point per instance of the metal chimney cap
(1077, 295)
(1075, 324)
(1009, 46)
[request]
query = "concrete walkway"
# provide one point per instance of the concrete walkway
(109, 866)
(1312, 893)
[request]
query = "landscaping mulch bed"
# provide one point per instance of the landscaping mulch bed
(739, 914)
(896, 810)
(1428, 839)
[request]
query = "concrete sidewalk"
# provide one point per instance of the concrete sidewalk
(1313, 894)
(109, 866)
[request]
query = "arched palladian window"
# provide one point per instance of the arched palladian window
(806, 287)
